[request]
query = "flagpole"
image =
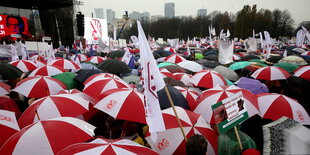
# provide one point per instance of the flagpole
(175, 112)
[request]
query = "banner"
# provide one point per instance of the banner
(226, 51)
(14, 26)
(230, 112)
(95, 27)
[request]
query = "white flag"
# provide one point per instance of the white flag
(126, 57)
(226, 51)
(51, 54)
(152, 83)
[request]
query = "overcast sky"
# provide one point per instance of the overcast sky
(299, 9)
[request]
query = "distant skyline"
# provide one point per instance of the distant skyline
(297, 8)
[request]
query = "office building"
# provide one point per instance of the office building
(99, 13)
(169, 10)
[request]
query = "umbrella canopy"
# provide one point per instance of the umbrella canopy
(171, 140)
(24, 65)
(9, 72)
(297, 140)
(198, 56)
(274, 141)
(37, 58)
(39, 86)
(67, 78)
(107, 146)
(84, 74)
(125, 104)
(39, 63)
(250, 57)
(174, 58)
(162, 53)
(255, 66)
(217, 94)
(65, 64)
(274, 106)
(114, 66)
(207, 79)
(165, 64)
(255, 86)
(176, 96)
(190, 95)
(95, 88)
(88, 65)
(303, 72)
(116, 54)
(47, 70)
(239, 65)
(294, 60)
(274, 59)
(227, 73)
(78, 93)
(132, 78)
(306, 53)
(173, 82)
(8, 125)
(289, 67)
(48, 137)
(95, 59)
(271, 73)
(183, 77)
(100, 76)
(174, 69)
(191, 65)
(61, 105)
(81, 57)
(4, 89)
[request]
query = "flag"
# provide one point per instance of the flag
(51, 54)
(126, 57)
(226, 50)
(131, 63)
(102, 47)
(152, 83)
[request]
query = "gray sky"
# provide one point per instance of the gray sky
(299, 9)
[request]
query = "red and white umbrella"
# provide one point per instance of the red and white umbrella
(184, 78)
(208, 79)
(190, 95)
(306, 53)
(47, 70)
(174, 58)
(100, 76)
(171, 141)
(217, 94)
(48, 137)
(166, 73)
(236, 57)
(65, 64)
(274, 106)
(81, 57)
(125, 104)
(78, 93)
(8, 125)
(169, 49)
(271, 73)
(107, 146)
(303, 72)
(39, 86)
(37, 58)
(191, 65)
(96, 88)
(4, 89)
(95, 59)
(61, 105)
(24, 65)
(40, 63)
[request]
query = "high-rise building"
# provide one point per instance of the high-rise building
(202, 12)
(99, 13)
(140, 16)
(110, 16)
(169, 10)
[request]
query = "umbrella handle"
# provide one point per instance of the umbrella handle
(238, 138)
(175, 112)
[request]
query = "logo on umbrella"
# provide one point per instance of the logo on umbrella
(300, 116)
(110, 105)
(164, 143)
(6, 118)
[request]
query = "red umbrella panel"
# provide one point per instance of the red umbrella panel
(95, 89)
(271, 73)
(107, 146)
(274, 106)
(303, 72)
(24, 65)
(61, 105)
(81, 57)
(184, 78)
(190, 95)
(125, 104)
(217, 94)
(208, 79)
(8, 125)
(48, 136)
(100, 76)
(95, 59)
(39, 86)
(174, 58)
(65, 64)
(172, 141)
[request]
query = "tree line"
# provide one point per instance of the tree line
(278, 22)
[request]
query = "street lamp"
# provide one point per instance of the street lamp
(125, 16)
